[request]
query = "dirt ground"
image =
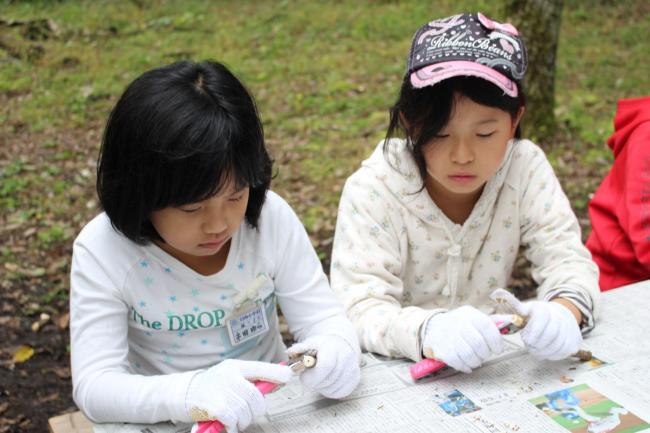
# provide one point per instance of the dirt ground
(33, 391)
(34, 281)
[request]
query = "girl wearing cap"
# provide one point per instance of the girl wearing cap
(431, 223)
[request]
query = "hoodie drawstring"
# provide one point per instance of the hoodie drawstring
(453, 271)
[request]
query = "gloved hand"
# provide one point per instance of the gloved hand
(462, 338)
(224, 393)
(337, 372)
(551, 332)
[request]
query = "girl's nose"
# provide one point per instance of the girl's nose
(462, 153)
(215, 223)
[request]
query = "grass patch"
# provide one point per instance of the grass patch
(324, 75)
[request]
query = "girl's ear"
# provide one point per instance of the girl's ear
(517, 119)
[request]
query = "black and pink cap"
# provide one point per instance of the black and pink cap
(468, 45)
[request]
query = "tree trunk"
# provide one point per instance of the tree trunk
(539, 24)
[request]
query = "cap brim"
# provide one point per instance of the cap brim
(433, 74)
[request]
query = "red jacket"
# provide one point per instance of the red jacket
(620, 208)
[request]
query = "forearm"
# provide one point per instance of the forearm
(561, 264)
(579, 302)
(571, 306)
(389, 329)
(123, 397)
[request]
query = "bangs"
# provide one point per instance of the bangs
(431, 108)
(204, 157)
(421, 113)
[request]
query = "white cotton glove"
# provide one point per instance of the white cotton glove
(551, 332)
(224, 392)
(336, 373)
(462, 338)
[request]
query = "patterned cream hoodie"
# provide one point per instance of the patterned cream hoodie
(397, 259)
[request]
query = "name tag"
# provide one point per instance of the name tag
(248, 324)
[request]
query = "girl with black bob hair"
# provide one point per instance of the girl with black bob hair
(178, 135)
(442, 206)
(173, 295)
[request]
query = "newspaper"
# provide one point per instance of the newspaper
(513, 393)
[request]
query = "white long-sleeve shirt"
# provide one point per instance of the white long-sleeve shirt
(397, 259)
(143, 324)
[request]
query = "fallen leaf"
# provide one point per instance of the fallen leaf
(10, 322)
(34, 272)
(62, 372)
(22, 354)
(11, 267)
(63, 321)
(86, 91)
(46, 399)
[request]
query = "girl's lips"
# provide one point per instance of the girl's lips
(212, 245)
(462, 178)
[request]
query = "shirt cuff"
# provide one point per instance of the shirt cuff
(406, 329)
(177, 396)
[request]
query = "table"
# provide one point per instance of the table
(514, 393)
(74, 422)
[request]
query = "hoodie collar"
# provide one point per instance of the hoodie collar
(630, 113)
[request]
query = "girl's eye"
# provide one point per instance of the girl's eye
(190, 210)
(489, 134)
(236, 198)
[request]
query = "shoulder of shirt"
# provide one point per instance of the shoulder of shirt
(526, 156)
(276, 220)
(378, 159)
(104, 240)
(99, 229)
(274, 210)
(527, 151)
(375, 173)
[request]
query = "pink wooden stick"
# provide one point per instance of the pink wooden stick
(216, 427)
(429, 366)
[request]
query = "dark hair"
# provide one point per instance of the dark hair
(177, 135)
(427, 110)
